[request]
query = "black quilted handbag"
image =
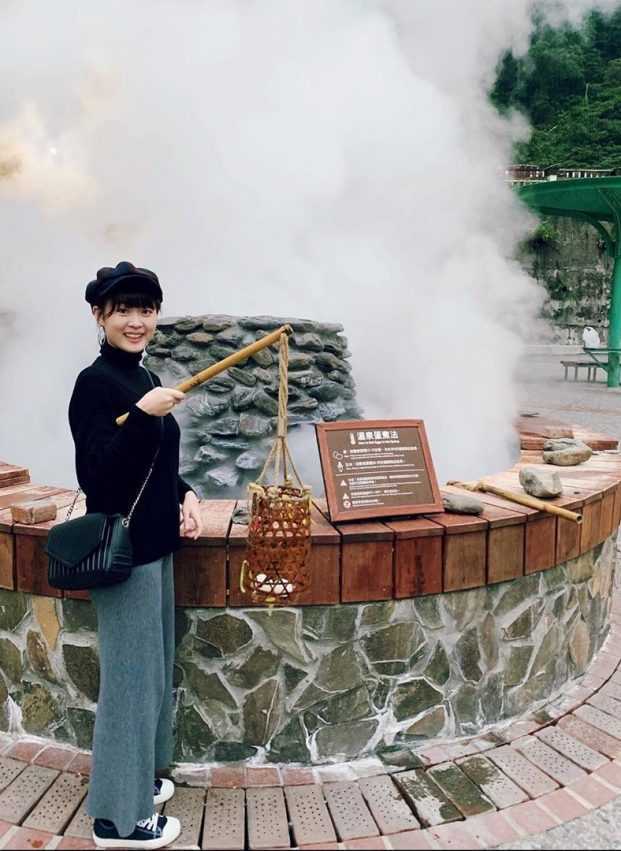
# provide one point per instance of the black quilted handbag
(94, 550)
(91, 551)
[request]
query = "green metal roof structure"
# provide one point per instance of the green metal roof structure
(597, 201)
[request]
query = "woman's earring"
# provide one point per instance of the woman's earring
(101, 336)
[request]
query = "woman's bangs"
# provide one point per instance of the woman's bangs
(133, 299)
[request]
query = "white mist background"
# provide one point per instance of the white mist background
(335, 160)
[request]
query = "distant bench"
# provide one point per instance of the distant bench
(590, 366)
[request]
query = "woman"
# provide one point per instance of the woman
(133, 725)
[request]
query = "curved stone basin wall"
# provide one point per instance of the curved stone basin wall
(317, 683)
(415, 628)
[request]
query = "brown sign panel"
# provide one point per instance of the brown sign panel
(377, 468)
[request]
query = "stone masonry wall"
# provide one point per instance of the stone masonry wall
(320, 683)
(229, 423)
(574, 268)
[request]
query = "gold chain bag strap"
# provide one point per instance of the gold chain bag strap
(94, 550)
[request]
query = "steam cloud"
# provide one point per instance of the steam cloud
(337, 160)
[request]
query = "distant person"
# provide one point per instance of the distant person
(135, 618)
(590, 338)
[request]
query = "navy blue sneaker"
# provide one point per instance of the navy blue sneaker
(163, 790)
(154, 832)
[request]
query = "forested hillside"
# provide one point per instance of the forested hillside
(569, 86)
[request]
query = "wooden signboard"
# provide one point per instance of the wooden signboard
(377, 468)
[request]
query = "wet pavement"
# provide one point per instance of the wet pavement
(543, 390)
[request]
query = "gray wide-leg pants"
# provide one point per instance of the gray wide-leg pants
(133, 722)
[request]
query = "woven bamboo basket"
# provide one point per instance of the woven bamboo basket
(276, 567)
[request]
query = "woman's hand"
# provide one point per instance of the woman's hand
(160, 401)
(191, 520)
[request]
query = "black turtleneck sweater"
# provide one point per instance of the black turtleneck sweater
(112, 461)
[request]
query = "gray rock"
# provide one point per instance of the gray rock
(242, 398)
(83, 723)
(294, 392)
(207, 455)
(309, 341)
(265, 375)
(184, 353)
(79, 614)
(225, 427)
(264, 358)
(428, 612)
(289, 744)
(194, 735)
(469, 655)
(217, 323)
(568, 456)
(38, 655)
(260, 665)
(262, 323)
(232, 751)
(13, 607)
(377, 614)
(284, 629)
(299, 361)
(220, 351)
(327, 362)
(243, 376)
(326, 392)
(39, 709)
(345, 740)
(167, 323)
(329, 623)
(222, 477)
(250, 460)
(82, 664)
(231, 336)
(208, 686)
(239, 445)
(221, 384)
(300, 405)
(307, 378)
(414, 696)
(541, 483)
(336, 345)
(429, 725)
(11, 660)
(340, 377)
(457, 503)
(253, 425)
(184, 326)
(262, 713)
(225, 632)
(265, 404)
(329, 327)
(339, 670)
(210, 406)
(200, 338)
(438, 669)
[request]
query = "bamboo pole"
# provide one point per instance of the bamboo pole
(521, 499)
(226, 363)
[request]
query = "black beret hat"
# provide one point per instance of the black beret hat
(124, 274)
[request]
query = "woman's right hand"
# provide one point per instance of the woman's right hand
(160, 401)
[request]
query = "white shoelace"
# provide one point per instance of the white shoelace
(149, 823)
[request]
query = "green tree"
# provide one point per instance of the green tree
(569, 86)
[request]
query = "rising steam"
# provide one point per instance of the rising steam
(336, 160)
